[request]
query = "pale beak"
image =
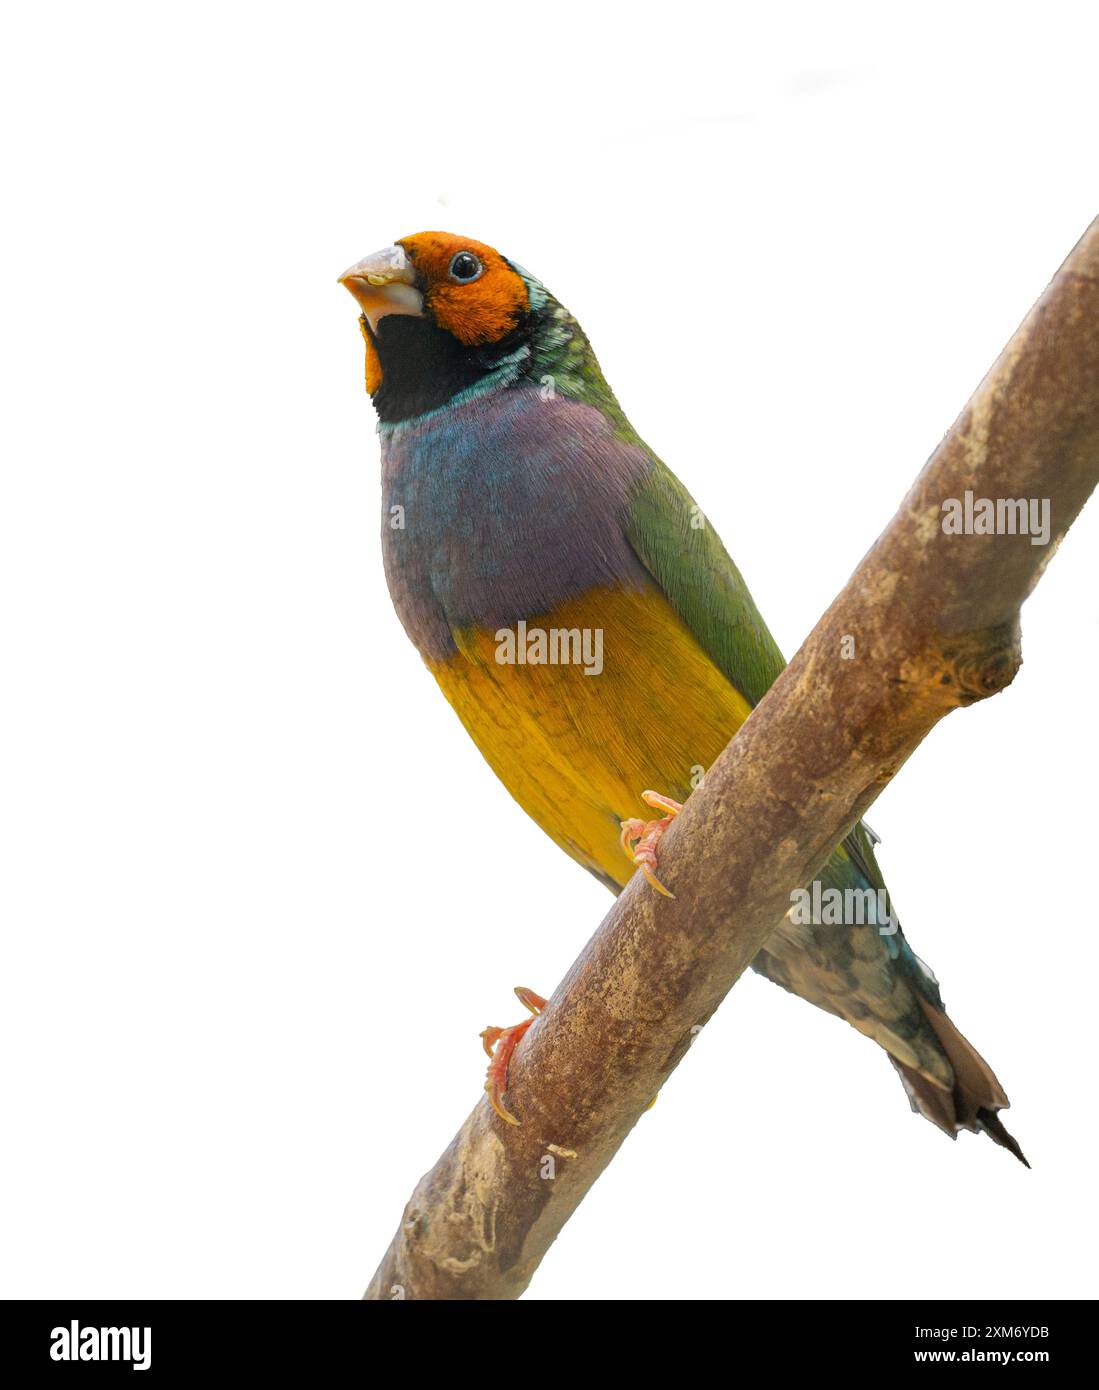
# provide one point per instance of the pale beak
(384, 283)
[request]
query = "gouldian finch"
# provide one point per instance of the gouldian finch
(589, 629)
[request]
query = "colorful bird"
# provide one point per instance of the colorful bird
(590, 630)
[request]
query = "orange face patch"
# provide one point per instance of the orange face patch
(482, 311)
(373, 365)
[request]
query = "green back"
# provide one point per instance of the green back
(684, 554)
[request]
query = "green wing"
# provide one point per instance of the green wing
(684, 555)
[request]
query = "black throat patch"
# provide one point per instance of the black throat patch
(423, 366)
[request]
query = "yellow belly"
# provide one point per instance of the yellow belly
(576, 749)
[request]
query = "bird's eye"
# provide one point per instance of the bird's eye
(465, 267)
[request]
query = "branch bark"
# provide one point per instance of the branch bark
(935, 622)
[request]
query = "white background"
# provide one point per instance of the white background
(259, 891)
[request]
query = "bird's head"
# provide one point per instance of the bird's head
(443, 315)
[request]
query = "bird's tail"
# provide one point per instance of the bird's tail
(977, 1095)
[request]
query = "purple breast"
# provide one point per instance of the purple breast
(501, 508)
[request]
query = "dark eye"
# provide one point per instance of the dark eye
(465, 267)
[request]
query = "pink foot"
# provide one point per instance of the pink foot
(504, 1040)
(641, 837)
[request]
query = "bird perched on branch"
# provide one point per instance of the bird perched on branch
(589, 629)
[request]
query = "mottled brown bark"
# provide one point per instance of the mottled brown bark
(934, 618)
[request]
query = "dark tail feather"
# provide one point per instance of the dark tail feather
(976, 1096)
(989, 1121)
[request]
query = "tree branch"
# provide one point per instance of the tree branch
(934, 618)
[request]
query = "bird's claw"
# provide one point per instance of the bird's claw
(499, 1044)
(641, 837)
